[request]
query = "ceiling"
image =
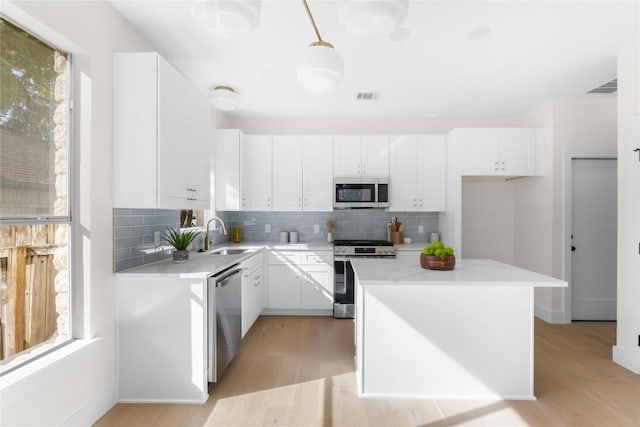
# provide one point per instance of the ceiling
(457, 58)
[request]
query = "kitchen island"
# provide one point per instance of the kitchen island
(460, 334)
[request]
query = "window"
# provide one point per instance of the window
(35, 217)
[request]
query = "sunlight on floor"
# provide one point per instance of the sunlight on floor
(332, 401)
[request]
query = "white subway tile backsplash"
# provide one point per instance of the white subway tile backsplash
(134, 228)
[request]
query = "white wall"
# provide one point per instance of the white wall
(78, 387)
(626, 352)
(488, 220)
(572, 125)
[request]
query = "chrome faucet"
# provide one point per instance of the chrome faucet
(207, 241)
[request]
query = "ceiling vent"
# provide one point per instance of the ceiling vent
(367, 96)
(608, 87)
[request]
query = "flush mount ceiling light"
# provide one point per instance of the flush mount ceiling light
(227, 18)
(320, 68)
(378, 18)
(224, 98)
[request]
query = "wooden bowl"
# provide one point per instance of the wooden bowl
(431, 262)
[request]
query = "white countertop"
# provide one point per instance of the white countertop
(204, 264)
(411, 247)
(469, 272)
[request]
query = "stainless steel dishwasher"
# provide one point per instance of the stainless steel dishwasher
(225, 320)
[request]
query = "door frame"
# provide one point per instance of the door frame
(607, 154)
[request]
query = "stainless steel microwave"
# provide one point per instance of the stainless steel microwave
(354, 193)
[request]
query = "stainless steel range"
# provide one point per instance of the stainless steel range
(343, 287)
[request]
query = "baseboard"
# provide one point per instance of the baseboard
(95, 409)
(629, 359)
(296, 312)
(548, 315)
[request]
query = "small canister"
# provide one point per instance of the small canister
(293, 237)
(237, 234)
(284, 237)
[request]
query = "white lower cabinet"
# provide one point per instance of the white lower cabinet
(300, 280)
(162, 338)
(316, 288)
(253, 291)
(284, 287)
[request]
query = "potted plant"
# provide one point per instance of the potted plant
(180, 241)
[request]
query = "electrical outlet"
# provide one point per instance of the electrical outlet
(267, 228)
(421, 229)
(316, 228)
(156, 238)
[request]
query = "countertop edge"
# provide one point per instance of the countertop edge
(203, 264)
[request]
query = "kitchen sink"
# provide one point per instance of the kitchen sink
(229, 251)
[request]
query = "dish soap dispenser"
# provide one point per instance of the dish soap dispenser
(237, 234)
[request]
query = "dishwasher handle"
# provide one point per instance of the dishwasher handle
(223, 280)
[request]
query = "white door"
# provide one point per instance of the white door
(594, 228)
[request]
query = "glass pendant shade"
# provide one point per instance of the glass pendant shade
(224, 98)
(227, 18)
(320, 68)
(377, 18)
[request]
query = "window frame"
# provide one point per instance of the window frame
(43, 349)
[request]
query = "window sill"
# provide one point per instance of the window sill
(41, 363)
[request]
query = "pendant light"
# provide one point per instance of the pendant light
(227, 18)
(224, 98)
(376, 18)
(320, 68)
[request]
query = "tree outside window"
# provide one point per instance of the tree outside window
(35, 219)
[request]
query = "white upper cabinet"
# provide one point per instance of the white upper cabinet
(302, 178)
(287, 173)
(227, 170)
(361, 156)
(160, 134)
(500, 151)
(317, 178)
(256, 172)
(418, 173)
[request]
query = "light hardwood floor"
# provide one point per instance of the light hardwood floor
(298, 371)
